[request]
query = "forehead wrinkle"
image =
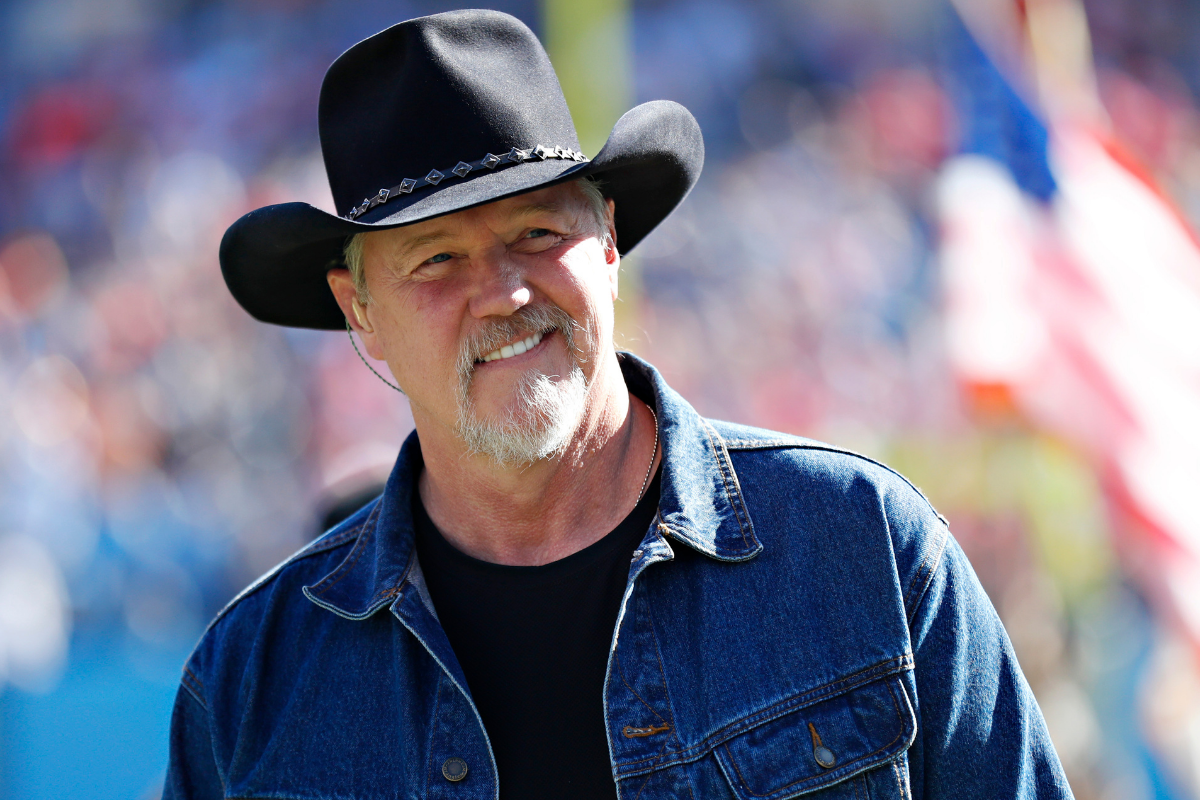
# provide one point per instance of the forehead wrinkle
(536, 208)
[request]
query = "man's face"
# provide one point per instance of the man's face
(493, 319)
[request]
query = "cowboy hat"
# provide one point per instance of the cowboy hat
(432, 116)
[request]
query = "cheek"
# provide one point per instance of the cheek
(418, 336)
(592, 277)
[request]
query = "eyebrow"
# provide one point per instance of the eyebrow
(435, 237)
(423, 240)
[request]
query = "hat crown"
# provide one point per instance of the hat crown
(430, 92)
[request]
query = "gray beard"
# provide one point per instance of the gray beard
(546, 411)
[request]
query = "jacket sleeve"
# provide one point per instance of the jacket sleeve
(980, 731)
(191, 770)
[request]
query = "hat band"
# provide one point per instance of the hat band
(461, 170)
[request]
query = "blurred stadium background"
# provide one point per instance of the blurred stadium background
(956, 238)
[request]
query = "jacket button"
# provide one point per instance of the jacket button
(821, 754)
(455, 769)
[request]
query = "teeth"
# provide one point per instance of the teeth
(510, 350)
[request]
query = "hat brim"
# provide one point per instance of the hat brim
(274, 259)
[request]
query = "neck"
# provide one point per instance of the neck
(531, 514)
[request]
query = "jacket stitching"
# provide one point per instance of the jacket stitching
(787, 706)
(858, 760)
(899, 780)
(390, 591)
(633, 691)
(398, 589)
(360, 547)
(437, 699)
(645, 783)
(345, 535)
(723, 465)
(729, 494)
(923, 577)
(187, 673)
(742, 444)
(660, 754)
(740, 507)
(192, 690)
(662, 673)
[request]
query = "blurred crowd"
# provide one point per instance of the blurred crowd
(159, 449)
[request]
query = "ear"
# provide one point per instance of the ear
(611, 255)
(357, 314)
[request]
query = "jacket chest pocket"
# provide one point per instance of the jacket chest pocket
(849, 746)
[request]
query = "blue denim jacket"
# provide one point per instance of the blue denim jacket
(798, 621)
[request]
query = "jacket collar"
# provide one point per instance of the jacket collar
(701, 502)
(701, 506)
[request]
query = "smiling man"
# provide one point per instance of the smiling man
(497, 322)
(573, 585)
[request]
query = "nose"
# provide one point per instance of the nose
(499, 288)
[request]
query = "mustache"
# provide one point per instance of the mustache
(494, 333)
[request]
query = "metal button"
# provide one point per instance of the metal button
(822, 754)
(455, 769)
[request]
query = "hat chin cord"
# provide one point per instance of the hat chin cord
(354, 344)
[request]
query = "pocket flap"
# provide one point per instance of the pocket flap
(820, 744)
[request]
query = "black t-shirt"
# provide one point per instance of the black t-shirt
(533, 643)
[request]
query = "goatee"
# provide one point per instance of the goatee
(546, 409)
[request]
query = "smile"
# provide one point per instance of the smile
(515, 349)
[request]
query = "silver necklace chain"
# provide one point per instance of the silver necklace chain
(653, 455)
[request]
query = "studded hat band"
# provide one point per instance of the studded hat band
(462, 169)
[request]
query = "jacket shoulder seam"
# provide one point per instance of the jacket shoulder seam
(761, 444)
(922, 577)
(802, 444)
(197, 690)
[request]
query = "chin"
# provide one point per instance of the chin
(538, 423)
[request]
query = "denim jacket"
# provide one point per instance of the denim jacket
(798, 621)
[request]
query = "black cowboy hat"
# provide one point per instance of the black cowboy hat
(436, 115)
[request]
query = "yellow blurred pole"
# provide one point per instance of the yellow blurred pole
(590, 44)
(1062, 58)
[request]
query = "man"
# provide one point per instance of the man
(573, 586)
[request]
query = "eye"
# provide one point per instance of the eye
(537, 233)
(439, 258)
